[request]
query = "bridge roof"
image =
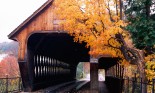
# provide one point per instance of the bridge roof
(30, 18)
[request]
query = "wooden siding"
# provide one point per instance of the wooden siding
(46, 21)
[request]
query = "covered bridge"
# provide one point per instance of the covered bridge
(47, 55)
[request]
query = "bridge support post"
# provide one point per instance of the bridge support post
(25, 76)
(94, 83)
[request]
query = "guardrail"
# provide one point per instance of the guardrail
(9, 85)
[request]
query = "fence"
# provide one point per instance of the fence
(9, 85)
(134, 85)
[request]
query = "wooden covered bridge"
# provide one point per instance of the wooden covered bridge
(49, 56)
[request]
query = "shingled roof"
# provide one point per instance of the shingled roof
(30, 18)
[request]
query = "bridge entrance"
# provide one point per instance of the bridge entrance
(52, 58)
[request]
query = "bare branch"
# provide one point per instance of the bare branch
(116, 8)
(109, 12)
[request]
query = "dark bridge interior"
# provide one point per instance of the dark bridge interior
(59, 46)
(53, 58)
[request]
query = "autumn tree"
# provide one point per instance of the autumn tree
(9, 66)
(99, 24)
(93, 22)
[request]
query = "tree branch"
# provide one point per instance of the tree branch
(110, 12)
(112, 45)
(130, 54)
(116, 8)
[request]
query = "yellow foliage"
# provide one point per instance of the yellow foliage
(93, 22)
(150, 66)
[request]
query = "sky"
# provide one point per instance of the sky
(13, 13)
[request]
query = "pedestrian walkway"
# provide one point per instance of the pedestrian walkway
(102, 88)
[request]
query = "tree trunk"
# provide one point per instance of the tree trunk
(147, 7)
(121, 8)
(134, 56)
(141, 68)
(116, 7)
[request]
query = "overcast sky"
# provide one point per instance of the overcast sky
(13, 13)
